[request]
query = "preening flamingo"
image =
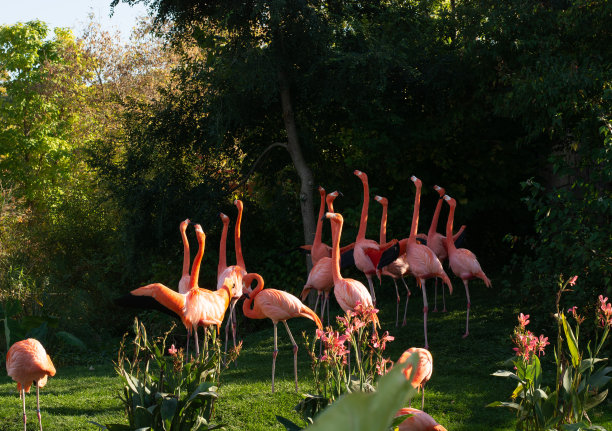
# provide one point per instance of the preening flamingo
(27, 362)
(183, 286)
(320, 277)
(423, 371)
(198, 307)
(399, 268)
(419, 421)
(230, 275)
(462, 261)
(437, 242)
(278, 306)
(422, 260)
(367, 252)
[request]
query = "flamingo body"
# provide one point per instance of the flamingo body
(419, 421)
(349, 293)
(423, 371)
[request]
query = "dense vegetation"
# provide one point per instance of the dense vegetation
(105, 148)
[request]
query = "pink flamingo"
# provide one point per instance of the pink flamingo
(183, 286)
(197, 307)
(27, 362)
(422, 260)
(320, 277)
(278, 306)
(423, 371)
(399, 268)
(462, 261)
(419, 421)
(229, 276)
(437, 242)
(367, 252)
(318, 249)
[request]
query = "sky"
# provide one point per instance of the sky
(72, 13)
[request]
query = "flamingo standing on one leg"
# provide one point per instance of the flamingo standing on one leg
(367, 252)
(462, 261)
(399, 268)
(423, 371)
(27, 362)
(422, 260)
(229, 276)
(278, 306)
(320, 277)
(437, 242)
(419, 421)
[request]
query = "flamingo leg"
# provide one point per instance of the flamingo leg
(234, 324)
(467, 319)
(322, 306)
(22, 394)
(38, 407)
(295, 350)
(230, 322)
(317, 302)
(187, 348)
(397, 305)
(322, 315)
(425, 310)
(435, 310)
(327, 302)
(407, 299)
(369, 277)
(205, 343)
(197, 347)
(423, 387)
(274, 355)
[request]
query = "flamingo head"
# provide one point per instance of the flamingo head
(450, 200)
(224, 218)
(199, 231)
(381, 200)
(440, 190)
(321, 191)
(334, 217)
(238, 204)
(361, 175)
(416, 181)
(184, 224)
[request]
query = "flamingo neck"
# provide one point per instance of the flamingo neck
(195, 269)
(383, 225)
(450, 244)
(186, 256)
(319, 230)
(330, 204)
(223, 249)
(336, 232)
(249, 312)
(434, 221)
(237, 243)
(415, 214)
(363, 222)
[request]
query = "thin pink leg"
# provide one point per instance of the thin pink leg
(435, 310)
(467, 319)
(38, 407)
(398, 303)
(369, 277)
(22, 393)
(295, 350)
(425, 310)
(407, 299)
(317, 302)
(274, 356)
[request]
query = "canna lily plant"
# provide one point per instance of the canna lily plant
(580, 376)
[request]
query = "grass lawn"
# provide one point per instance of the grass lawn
(456, 395)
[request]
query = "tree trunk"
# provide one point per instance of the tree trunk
(303, 170)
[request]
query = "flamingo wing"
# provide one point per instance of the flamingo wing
(170, 299)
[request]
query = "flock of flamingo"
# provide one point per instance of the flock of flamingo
(28, 362)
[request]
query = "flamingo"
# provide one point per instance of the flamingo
(462, 261)
(399, 268)
(27, 362)
(419, 421)
(318, 249)
(437, 242)
(423, 370)
(277, 306)
(320, 277)
(197, 307)
(367, 252)
(422, 260)
(183, 286)
(229, 275)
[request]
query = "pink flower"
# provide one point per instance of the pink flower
(604, 312)
(523, 320)
(572, 310)
(172, 350)
(572, 281)
(541, 344)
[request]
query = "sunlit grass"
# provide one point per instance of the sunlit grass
(456, 396)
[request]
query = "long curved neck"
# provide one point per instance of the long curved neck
(223, 248)
(415, 214)
(246, 305)
(237, 243)
(383, 225)
(195, 269)
(186, 256)
(319, 231)
(363, 222)
(434, 221)
(330, 204)
(450, 244)
(336, 229)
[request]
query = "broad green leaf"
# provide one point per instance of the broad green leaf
(505, 404)
(585, 364)
(597, 399)
(70, 339)
(572, 344)
(600, 378)
(167, 411)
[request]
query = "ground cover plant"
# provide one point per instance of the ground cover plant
(456, 396)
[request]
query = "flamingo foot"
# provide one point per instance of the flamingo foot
(404, 323)
(435, 310)
(443, 310)
(465, 335)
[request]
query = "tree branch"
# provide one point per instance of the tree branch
(246, 177)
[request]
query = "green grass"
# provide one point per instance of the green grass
(456, 395)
